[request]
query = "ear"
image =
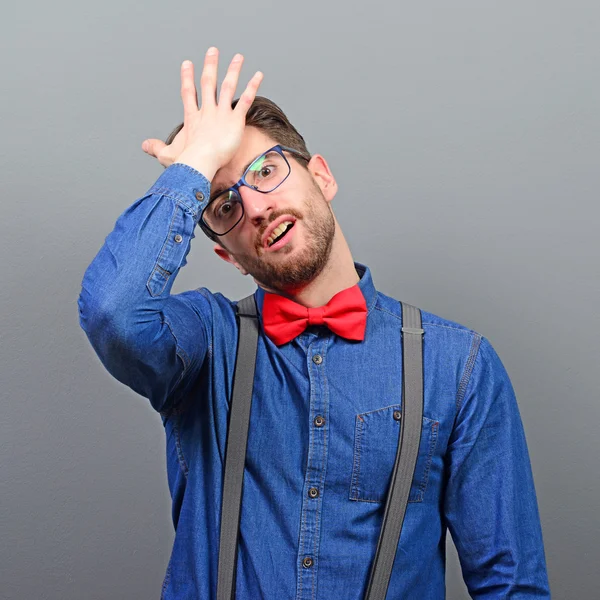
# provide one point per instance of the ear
(222, 253)
(323, 176)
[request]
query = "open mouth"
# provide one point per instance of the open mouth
(279, 233)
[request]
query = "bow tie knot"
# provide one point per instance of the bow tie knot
(316, 316)
(345, 314)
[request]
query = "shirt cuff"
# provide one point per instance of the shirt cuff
(186, 185)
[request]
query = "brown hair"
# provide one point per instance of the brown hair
(266, 116)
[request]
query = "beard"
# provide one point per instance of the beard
(287, 276)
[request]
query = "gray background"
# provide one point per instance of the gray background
(465, 139)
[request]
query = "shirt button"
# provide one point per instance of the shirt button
(319, 421)
(317, 359)
(178, 239)
(307, 562)
(313, 492)
(397, 415)
(199, 196)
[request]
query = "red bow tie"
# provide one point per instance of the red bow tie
(345, 314)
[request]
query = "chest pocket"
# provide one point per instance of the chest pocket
(376, 436)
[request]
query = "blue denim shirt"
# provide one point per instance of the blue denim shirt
(473, 474)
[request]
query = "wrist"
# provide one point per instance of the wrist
(202, 164)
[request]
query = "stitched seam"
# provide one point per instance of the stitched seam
(323, 471)
(180, 457)
(417, 490)
(458, 329)
(164, 248)
(432, 445)
(180, 351)
(462, 387)
(385, 310)
(173, 195)
(209, 339)
(160, 256)
(373, 302)
(308, 466)
(311, 366)
(158, 292)
(179, 406)
(358, 427)
(370, 412)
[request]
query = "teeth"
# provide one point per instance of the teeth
(277, 231)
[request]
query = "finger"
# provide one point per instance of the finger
(247, 98)
(189, 95)
(208, 81)
(153, 147)
(231, 80)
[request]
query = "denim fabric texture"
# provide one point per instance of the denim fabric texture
(323, 431)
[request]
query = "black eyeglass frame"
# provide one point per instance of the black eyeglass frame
(242, 181)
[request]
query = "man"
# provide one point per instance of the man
(326, 403)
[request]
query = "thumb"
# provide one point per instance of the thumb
(153, 147)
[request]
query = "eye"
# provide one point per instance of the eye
(266, 172)
(223, 206)
(223, 209)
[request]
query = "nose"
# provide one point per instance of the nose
(257, 205)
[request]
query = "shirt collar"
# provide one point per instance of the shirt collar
(365, 285)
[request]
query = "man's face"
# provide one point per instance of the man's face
(302, 199)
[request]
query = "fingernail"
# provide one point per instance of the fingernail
(186, 64)
(212, 50)
(145, 146)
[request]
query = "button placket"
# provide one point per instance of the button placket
(311, 514)
(170, 256)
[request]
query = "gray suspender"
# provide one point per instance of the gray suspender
(235, 451)
(404, 466)
(406, 453)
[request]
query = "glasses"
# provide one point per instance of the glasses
(265, 174)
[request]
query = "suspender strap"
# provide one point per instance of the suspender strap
(404, 466)
(235, 452)
(406, 453)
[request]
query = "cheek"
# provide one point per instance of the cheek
(245, 241)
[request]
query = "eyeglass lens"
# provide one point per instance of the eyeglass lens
(264, 174)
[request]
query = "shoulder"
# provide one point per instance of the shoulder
(387, 305)
(450, 346)
(453, 346)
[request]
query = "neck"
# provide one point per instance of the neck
(338, 274)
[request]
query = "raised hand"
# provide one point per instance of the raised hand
(212, 133)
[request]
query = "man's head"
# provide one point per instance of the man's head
(303, 198)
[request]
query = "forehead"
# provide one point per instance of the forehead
(254, 142)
